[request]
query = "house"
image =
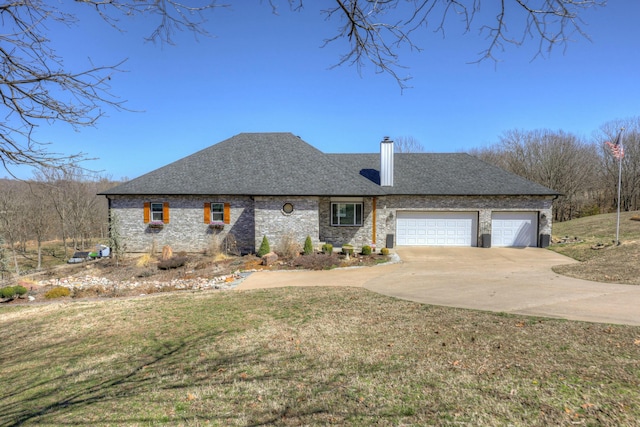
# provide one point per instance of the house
(275, 185)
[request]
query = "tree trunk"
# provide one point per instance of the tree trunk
(39, 267)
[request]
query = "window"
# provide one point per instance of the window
(157, 212)
(346, 213)
(217, 212)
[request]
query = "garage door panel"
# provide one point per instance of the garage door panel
(517, 229)
(437, 228)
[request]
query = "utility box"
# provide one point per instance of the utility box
(545, 240)
(389, 242)
(486, 240)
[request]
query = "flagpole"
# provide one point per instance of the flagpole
(617, 149)
(619, 184)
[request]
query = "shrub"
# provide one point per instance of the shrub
(589, 211)
(167, 253)
(58, 292)
(215, 246)
(143, 261)
(20, 290)
(366, 250)
(174, 262)
(264, 247)
(288, 248)
(347, 249)
(327, 248)
(384, 251)
(7, 292)
(146, 273)
(308, 246)
(316, 262)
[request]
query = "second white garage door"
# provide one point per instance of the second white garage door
(437, 229)
(514, 229)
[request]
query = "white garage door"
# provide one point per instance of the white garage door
(514, 229)
(437, 229)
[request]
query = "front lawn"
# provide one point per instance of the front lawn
(309, 356)
(592, 241)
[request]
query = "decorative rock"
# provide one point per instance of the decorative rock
(269, 258)
(200, 283)
(32, 298)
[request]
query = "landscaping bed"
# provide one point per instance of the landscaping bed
(145, 274)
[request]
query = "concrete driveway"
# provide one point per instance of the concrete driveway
(506, 280)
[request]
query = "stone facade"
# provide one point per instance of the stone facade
(255, 217)
(272, 221)
(357, 236)
(186, 230)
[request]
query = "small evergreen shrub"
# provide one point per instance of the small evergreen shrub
(384, 251)
(327, 248)
(174, 262)
(308, 246)
(7, 292)
(20, 290)
(58, 292)
(366, 250)
(264, 247)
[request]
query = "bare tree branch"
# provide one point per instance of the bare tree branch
(407, 144)
(36, 88)
(378, 29)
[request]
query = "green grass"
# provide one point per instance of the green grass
(610, 263)
(309, 356)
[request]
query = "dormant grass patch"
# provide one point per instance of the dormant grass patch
(602, 260)
(309, 356)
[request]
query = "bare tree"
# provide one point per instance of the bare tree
(12, 217)
(555, 159)
(407, 144)
(4, 258)
(630, 188)
(36, 87)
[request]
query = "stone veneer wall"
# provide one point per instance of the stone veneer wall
(253, 218)
(340, 235)
(186, 230)
(388, 207)
(273, 222)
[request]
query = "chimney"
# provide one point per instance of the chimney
(386, 162)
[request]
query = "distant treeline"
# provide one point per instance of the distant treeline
(582, 169)
(54, 205)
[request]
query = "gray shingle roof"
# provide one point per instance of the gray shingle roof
(261, 164)
(443, 174)
(253, 164)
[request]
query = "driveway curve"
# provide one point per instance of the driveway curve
(508, 280)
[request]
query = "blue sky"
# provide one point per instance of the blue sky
(262, 72)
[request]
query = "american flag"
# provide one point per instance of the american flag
(616, 147)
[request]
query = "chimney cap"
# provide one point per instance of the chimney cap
(386, 138)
